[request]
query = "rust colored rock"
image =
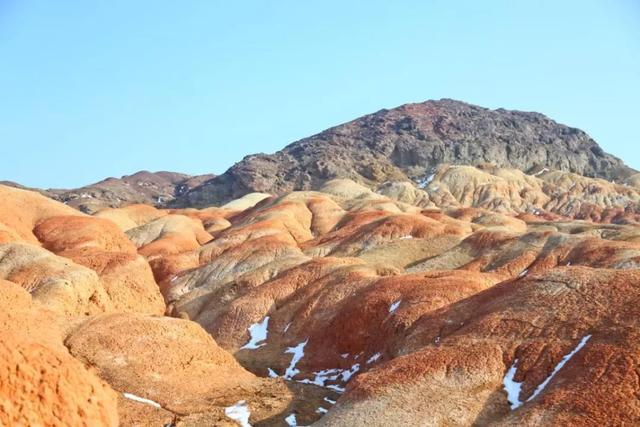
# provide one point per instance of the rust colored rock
(63, 233)
(21, 210)
(482, 295)
(173, 363)
(40, 383)
(43, 386)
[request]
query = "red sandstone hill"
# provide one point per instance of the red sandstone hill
(438, 264)
(464, 305)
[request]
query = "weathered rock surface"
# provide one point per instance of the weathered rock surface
(431, 288)
(407, 143)
(593, 318)
(70, 262)
(77, 298)
(172, 362)
(427, 309)
(40, 383)
(141, 187)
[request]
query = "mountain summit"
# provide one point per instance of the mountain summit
(407, 143)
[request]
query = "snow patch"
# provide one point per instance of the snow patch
(239, 412)
(322, 410)
(272, 373)
(344, 355)
(426, 180)
(298, 353)
(512, 387)
(291, 420)
(405, 237)
(131, 396)
(336, 388)
(332, 375)
(258, 332)
(326, 399)
(524, 272)
(324, 376)
(347, 374)
(541, 172)
(393, 307)
(286, 328)
(559, 366)
(374, 358)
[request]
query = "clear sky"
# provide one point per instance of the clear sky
(91, 89)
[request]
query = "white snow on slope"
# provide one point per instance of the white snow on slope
(347, 374)
(393, 307)
(336, 388)
(333, 402)
(513, 388)
(239, 412)
(524, 272)
(559, 366)
(258, 332)
(322, 410)
(426, 180)
(374, 358)
(291, 420)
(141, 400)
(324, 376)
(332, 375)
(298, 353)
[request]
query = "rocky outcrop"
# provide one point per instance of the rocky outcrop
(407, 143)
(151, 188)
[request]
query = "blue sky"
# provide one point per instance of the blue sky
(105, 88)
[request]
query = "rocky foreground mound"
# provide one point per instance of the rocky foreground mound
(483, 296)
